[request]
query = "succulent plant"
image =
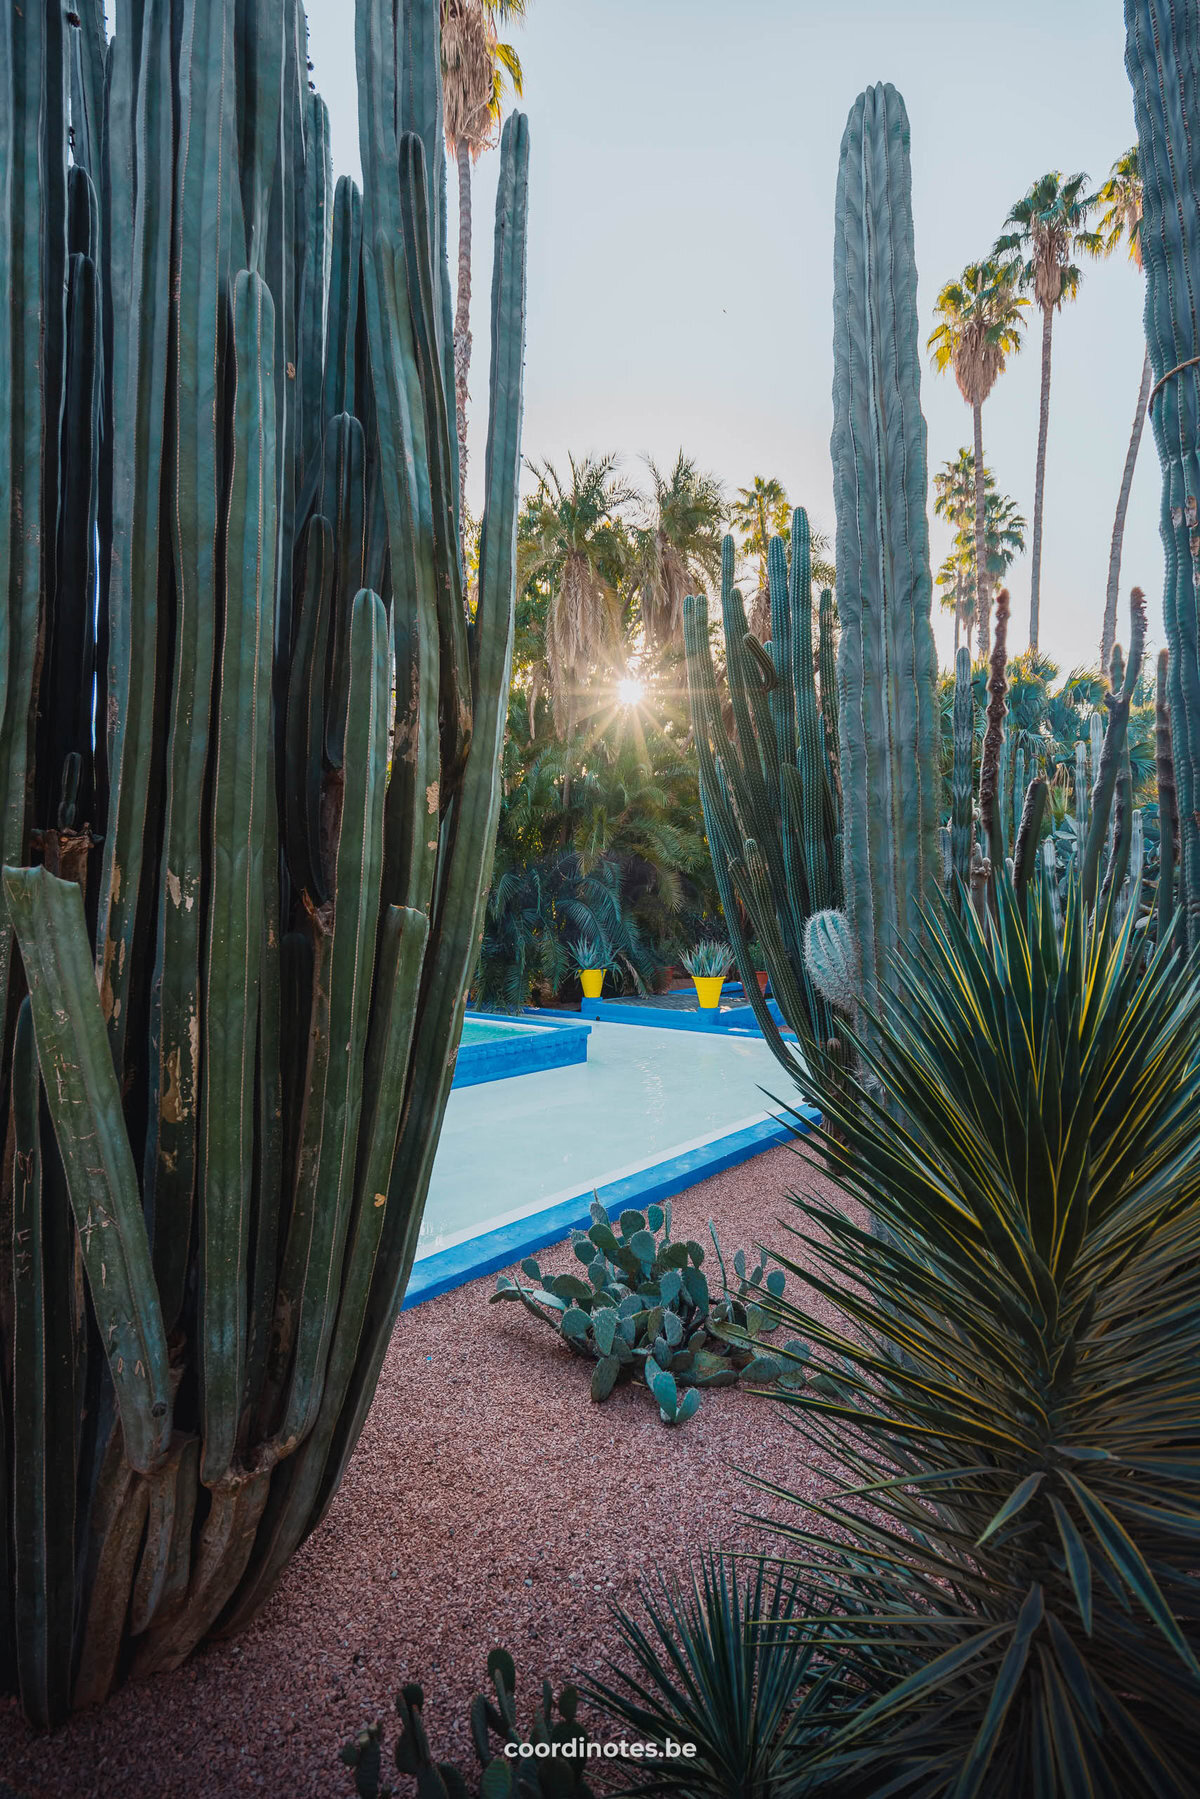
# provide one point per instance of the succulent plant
(502, 1776)
(643, 1307)
(770, 787)
(248, 789)
(589, 952)
(709, 960)
(831, 954)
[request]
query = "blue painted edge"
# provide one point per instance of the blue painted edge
(666, 1018)
(547, 1043)
(450, 1268)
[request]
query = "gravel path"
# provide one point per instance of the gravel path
(489, 1502)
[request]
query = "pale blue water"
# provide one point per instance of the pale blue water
(485, 1030)
(509, 1148)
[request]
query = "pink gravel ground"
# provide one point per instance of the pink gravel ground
(488, 1502)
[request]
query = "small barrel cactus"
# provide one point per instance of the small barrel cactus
(831, 955)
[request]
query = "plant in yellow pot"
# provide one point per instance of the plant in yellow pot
(591, 959)
(708, 964)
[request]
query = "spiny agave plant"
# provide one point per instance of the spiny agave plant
(248, 790)
(1014, 1383)
(719, 1663)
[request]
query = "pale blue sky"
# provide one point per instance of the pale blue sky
(683, 161)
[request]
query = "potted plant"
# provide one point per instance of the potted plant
(758, 963)
(591, 959)
(708, 964)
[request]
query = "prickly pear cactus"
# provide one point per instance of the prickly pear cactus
(237, 918)
(643, 1307)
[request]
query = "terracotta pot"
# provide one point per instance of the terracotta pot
(762, 977)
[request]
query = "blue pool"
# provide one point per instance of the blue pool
(494, 1049)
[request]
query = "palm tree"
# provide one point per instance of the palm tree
(477, 70)
(679, 547)
(954, 500)
(759, 513)
(1003, 542)
(573, 543)
(1048, 226)
(979, 324)
(1120, 222)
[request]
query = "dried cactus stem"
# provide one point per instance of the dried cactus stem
(994, 736)
(1029, 834)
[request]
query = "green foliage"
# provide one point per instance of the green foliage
(589, 952)
(1015, 1547)
(501, 1776)
(722, 1665)
(708, 959)
(594, 842)
(247, 898)
(643, 1307)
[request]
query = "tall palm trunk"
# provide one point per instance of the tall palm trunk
(981, 580)
(566, 786)
(1039, 485)
(1111, 593)
(462, 327)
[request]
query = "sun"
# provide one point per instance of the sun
(630, 691)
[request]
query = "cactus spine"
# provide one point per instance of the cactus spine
(887, 665)
(246, 915)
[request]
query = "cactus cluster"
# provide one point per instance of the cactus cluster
(824, 797)
(769, 788)
(248, 789)
(536, 1775)
(644, 1307)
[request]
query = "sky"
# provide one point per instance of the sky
(683, 164)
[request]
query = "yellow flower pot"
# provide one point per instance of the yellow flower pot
(592, 982)
(708, 990)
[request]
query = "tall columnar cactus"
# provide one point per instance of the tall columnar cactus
(887, 663)
(769, 789)
(246, 902)
(1162, 56)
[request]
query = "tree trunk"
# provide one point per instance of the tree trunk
(1112, 592)
(566, 786)
(462, 331)
(1039, 484)
(981, 580)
